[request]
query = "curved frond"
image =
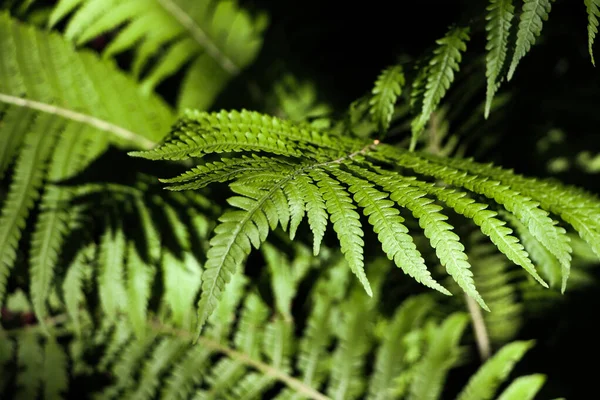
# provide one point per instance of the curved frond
(533, 15)
(485, 382)
(212, 41)
(499, 17)
(440, 74)
(593, 12)
(383, 96)
(523, 388)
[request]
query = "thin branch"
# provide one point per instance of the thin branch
(266, 369)
(200, 36)
(481, 334)
(79, 117)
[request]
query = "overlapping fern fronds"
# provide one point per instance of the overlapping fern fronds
(281, 172)
(250, 350)
(212, 41)
(59, 113)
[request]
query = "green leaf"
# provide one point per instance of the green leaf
(533, 15)
(440, 74)
(593, 13)
(387, 89)
(56, 376)
(489, 377)
(499, 17)
(523, 388)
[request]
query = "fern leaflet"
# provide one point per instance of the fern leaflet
(534, 13)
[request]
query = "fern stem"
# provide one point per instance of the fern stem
(200, 36)
(266, 369)
(481, 334)
(83, 118)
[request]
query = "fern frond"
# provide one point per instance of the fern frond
(212, 41)
(238, 231)
(73, 283)
(533, 15)
(500, 15)
(523, 388)
(346, 224)
(111, 279)
(440, 357)
(485, 382)
(138, 288)
(319, 179)
(30, 359)
(441, 69)
(392, 234)
(387, 89)
(17, 121)
(182, 278)
(391, 359)
(162, 356)
(55, 377)
(529, 212)
(53, 223)
(23, 192)
(593, 13)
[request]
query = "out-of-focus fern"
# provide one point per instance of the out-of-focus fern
(60, 115)
(211, 40)
(262, 354)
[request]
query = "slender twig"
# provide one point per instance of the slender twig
(481, 334)
(79, 117)
(266, 369)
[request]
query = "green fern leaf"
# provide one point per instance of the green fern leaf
(447, 244)
(73, 284)
(387, 89)
(315, 209)
(548, 263)
(23, 192)
(187, 374)
(529, 212)
(17, 121)
(238, 231)
(593, 13)
(52, 224)
(485, 382)
(163, 355)
(30, 359)
(346, 224)
(56, 377)
(500, 15)
(490, 226)
(348, 357)
(391, 354)
(138, 287)
(523, 388)
(130, 359)
(182, 278)
(192, 38)
(111, 285)
(534, 13)
(388, 224)
(440, 357)
(441, 69)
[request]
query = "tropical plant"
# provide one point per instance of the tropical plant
(112, 286)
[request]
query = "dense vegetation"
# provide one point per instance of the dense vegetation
(213, 199)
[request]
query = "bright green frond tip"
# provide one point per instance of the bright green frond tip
(533, 15)
(440, 75)
(384, 95)
(593, 14)
(500, 15)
